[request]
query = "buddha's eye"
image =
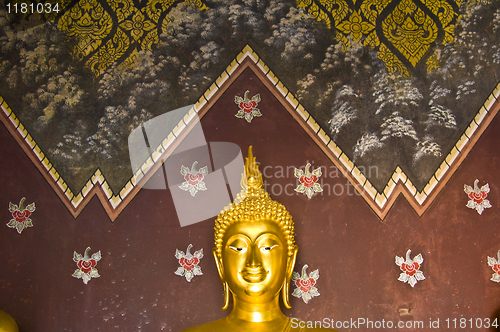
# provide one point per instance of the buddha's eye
(238, 249)
(268, 248)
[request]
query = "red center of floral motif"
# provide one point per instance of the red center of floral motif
(86, 266)
(308, 181)
(496, 268)
(21, 216)
(189, 264)
(410, 269)
(478, 197)
(305, 285)
(248, 107)
(193, 179)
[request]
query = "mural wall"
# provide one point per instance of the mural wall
(374, 124)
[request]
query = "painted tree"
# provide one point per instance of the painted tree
(295, 37)
(343, 112)
(342, 84)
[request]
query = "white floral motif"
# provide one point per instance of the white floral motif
(189, 263)
(308, 181)
(305, 284)
(411, 268)
(495, 265)
(248, 107)
(194, 179)
(478, 196)
(21, 215)
(86, 265)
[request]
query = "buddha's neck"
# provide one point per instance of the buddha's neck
(257, 313)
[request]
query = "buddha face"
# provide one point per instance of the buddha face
(254, 260)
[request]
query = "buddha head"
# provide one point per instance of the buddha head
(255, 249)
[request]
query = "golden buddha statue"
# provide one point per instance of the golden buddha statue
(255, 255)
(7, 323)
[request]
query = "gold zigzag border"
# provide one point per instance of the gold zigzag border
(399, 183)
(380, 202)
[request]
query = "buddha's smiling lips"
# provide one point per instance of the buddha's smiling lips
(254, 276)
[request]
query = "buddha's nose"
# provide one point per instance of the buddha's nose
(254, 258)
(253, 271)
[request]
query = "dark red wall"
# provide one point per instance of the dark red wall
(337, 234)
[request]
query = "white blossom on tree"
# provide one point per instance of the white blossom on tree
(69, 147)
(390, 90)
(366, 143)
(342, 114)
(303, 85)
(442, 116)
(465, 89)
(113, 128)
(342, 111)
(397, 126)
(294, 37)
(61, 94)
(426, 147)
(247, 16)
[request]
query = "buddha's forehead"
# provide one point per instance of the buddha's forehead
(254, 229)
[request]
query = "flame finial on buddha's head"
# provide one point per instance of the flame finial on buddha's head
(253, 203)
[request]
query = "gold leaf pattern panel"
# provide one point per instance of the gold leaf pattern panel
(432, 63)
(137, 26)
(392, 62)
(114, 30)
(372, 8)
(327, 10)
(355, 27)
(89, 23)
(441, 9)
(122, 8)
(155, 8)
(109, 53)
(410, 30)
(444, 11)
(401, 31)
(407, 28)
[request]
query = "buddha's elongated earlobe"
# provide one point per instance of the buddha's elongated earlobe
(290, 264)
(220, 269)
(226, 296)
(285, 291)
